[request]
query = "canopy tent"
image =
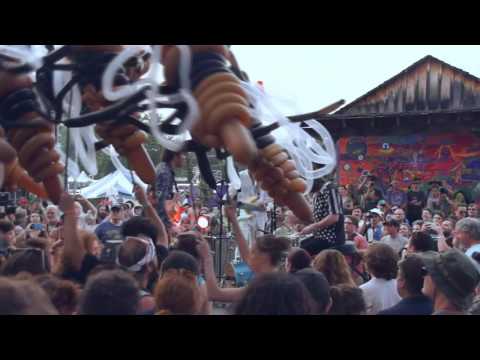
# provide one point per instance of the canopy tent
(113, 185)
(83, 178)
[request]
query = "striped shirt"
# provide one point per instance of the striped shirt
(328, 202)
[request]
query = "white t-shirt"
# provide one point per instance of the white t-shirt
(380, 294)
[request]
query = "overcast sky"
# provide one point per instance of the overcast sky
(310, 77)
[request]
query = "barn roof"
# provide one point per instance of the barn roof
(429, 85)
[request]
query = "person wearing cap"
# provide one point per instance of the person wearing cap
(111, 228)
(450, 281)
(409, 286)
(467, 236)
(393, 239)
(382, 205)
(374, 228)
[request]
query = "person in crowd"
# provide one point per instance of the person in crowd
(264, 257)
(427, 215)
(187, 242)
(63, 294)
(84, 209)
(393, 238)
(447, 227)
(102, 213)
(112, 292)
(24, 297)
(351, 234)
(165, 182)
(383, 207)
(434, 198)
(459, 198)
(275, 294)
(111, 228)
(347, 201)
(80, 250)
(450, 282)
(347, 300)
(420, 242)
(30, 260)
(374, 228)
(137, 256)
(460, 212)
(298, 259)
(52, 219)
(328, 229)
(472, 210)
(446, 204)
(399, 215)
(415, 202)
(371, 196)
(467, 236)
(417, 225)
(318, 287)
(357, 213)
(409, 285)
(438, 218)
(381, 291)
(395, 196)
(289, 226)
(7, 237)
(333, 265)
(177, 293)
(405, 231)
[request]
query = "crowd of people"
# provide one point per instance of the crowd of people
(367, 252)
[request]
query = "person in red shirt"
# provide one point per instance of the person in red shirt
(351, 228)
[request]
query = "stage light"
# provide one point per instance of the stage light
(202, 222)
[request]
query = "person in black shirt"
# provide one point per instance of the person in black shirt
(409, 286)
(415, 203)
(328, 230)
(165, 182)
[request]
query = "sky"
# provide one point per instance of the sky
(305, 78)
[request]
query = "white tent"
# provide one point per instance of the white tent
(112, 185)
(80, 179)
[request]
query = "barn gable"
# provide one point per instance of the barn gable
(428, 85)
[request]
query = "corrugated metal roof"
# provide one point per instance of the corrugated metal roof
(428, 85)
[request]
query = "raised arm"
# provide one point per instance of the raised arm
(215, 293)
(231, 212)
(73, 251)
(87, 204)
(152, 214)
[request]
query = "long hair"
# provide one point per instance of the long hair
(333, 265)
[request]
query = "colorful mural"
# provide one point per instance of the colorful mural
(451, 157)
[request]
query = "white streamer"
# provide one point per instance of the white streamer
(232, 174)
(83, 139)
(302, 147)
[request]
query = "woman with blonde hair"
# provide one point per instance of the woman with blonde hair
(333, 265)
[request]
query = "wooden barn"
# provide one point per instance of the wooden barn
(422, 123)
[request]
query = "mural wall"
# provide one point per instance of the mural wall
(451, 157)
